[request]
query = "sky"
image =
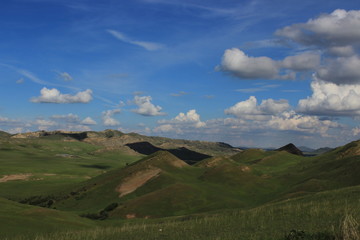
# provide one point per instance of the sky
(251, 73)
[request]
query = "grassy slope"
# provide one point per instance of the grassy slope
(251, 178)
(180, 191)
(28, 220)
(49, 165)
(316, 213)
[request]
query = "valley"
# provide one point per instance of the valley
(112, 185)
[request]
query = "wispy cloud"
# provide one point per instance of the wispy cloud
(209, 11)
(64, 76)
(150, 46)
(179, 94)
(257, 89)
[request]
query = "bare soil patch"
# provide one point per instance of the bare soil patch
(130, 184)
(23, 176)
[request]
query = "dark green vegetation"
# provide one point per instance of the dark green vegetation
(98, 188)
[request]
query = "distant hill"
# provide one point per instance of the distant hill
(312, 152)
(291, 148)
(322, 150)
(113, 139)
(306, 149)
(182, 153)
(4, 134)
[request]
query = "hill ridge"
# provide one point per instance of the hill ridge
(291, 148)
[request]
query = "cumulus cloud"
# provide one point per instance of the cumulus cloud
(341, 51)
(182, 122)
(331, 99)
(73, 119)
(238, 64)
(297, 122)
(150, 46)
(327, 30)
(107, 117)
(342, 70)
(44, 124)
(249, 109)
(302, 62)
(55, 96)
(88, 121)
(145, 107)
(190, 118)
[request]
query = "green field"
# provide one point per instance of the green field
(79, 190)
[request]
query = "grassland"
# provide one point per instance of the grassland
(319, 215)
(254, 194)
(53, 165)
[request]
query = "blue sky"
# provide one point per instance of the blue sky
(250, 73)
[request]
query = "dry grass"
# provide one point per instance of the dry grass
(349, 228)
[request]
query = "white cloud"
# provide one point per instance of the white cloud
(341, 51)
(73, 119)
(88, 121)
(16, 130)
(75, 127)
(191, 117)
(54, 96)
(65, 76)
(44, 124)
(150, 46)
(145, 107)
(249, 109)
(331, 99)
(302, 62)
(355, 131)
(107, 117)
(342, 70)
(328, 30)
(70, 118)
(165, 128)
(237, 63)
(181, 123)
(296, 122)
(4, 121)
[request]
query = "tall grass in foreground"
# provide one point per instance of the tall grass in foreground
(335, 214)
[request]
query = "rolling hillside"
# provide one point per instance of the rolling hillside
(73, 180)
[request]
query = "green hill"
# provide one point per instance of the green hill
(4, 135)
(98, 182)
(28, 220)
(42, 166)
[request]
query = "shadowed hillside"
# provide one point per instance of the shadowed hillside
(113, 139)
(291, 148)
(182, 153)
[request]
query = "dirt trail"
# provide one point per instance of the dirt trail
(130, 184)
(24, 176)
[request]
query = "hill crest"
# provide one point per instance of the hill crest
(291, 148)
